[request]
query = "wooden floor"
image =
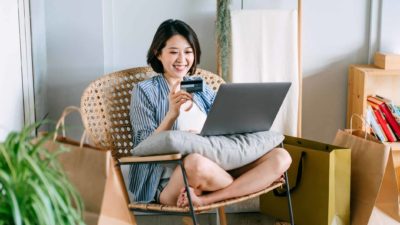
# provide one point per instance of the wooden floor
(209, 219)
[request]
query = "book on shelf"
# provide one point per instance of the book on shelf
(383, 107)
(382, 122)
(393, 108)
(376, 127)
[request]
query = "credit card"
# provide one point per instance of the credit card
(191, 86)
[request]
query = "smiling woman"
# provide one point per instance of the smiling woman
(175, 50)
(176, 58)
(158, 104)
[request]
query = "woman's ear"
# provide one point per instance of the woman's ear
(157, 54)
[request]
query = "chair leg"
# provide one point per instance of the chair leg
(289, 199)
(192, 213)
(222, 216)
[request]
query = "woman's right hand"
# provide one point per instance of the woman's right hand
(177, 99)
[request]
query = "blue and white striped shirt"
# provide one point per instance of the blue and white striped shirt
(149, 106)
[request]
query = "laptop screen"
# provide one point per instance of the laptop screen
(245, 107)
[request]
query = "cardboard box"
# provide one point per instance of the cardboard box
(387, 61)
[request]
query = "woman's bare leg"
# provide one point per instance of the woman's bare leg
(203, 175)
(251, 178)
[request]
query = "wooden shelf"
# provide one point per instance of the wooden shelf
(367, 80)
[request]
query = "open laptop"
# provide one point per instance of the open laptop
(244, 108)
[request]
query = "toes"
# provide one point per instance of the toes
(181, 202)
(183, 190)
(183, 199)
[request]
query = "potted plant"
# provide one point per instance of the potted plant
(33, 186)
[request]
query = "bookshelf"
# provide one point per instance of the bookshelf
(367, 80)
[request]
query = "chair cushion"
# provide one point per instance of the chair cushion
(230, 151)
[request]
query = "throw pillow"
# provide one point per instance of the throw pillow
(229, 151)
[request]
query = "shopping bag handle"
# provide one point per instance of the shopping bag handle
(363, 121)
(61, 123)
(298, 178)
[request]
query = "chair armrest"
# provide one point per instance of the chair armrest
(154, 158)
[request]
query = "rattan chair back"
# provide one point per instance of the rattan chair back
(105, 107)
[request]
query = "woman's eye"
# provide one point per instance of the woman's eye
(189, 52)
(174, 52)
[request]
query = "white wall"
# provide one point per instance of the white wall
(74, 52)
(11, 95)
(390, 32)
(39, 57)
(335, 35)
(88, 38)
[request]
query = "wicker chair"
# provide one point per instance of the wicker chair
(105, 111)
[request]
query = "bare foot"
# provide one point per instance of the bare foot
(183, 200)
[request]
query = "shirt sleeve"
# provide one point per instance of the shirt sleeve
(209, 97)
(142, 114)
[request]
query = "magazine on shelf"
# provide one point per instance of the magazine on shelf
(388, 115)
(376, 127)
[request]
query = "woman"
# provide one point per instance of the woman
(158, 105)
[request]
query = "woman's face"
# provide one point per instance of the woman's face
(177, 58)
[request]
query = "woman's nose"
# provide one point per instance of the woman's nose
(181, 56)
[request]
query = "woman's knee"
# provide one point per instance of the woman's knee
(283, 159)
(195, 165)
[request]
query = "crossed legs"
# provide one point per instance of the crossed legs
(203, 176)
(209, 183)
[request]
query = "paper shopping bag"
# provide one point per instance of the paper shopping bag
(374, 191)
(319, 178)
(93, 173)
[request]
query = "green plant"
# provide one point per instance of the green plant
(223, 31)
(33, 186)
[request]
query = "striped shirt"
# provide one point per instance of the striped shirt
(149, 106)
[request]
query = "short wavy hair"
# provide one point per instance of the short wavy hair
(165, 31)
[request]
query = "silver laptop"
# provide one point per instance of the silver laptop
(244, 108)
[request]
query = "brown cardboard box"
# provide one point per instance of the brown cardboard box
(387, 61)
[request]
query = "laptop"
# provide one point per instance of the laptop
(244, 108)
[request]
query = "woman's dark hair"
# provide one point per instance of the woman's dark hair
(165, 31)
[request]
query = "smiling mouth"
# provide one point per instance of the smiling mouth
(180, 67)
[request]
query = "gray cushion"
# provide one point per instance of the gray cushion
(230, 152)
